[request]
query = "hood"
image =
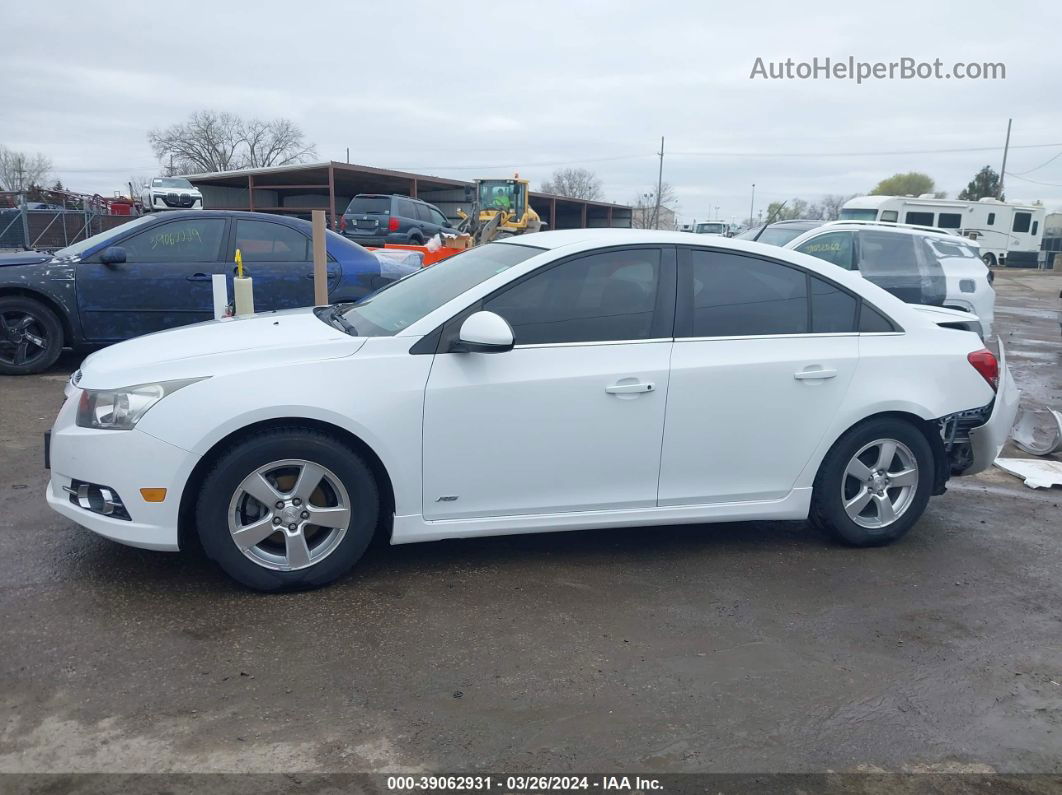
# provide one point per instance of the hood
(218, 347)
(24, 258)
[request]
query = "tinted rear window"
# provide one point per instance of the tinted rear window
(377, 205)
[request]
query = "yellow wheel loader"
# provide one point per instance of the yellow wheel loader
(500, 209)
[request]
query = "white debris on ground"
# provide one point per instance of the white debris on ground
(1037, 435)
(1037, 473)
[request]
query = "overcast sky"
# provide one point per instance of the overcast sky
(476, 89)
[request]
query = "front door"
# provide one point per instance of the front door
(763, 357)
(571, 419)
(164, 282)
(279, 259)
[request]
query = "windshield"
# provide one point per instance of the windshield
(170, 182)
(710, 229)
(498, 195)
(858, 215)
(77, 249)
(407, 300)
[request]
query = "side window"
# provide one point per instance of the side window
(191, 240)
(919, 219)
(887, 254)
(890, 215)
(1021, 222)
(835, 247)
(833, 311)
(738, 296)
(1035, 227)
(423, 213)
(598, 298)
(872, 321)
(991, 219)
(262, 241)
(949, 220)
(404, 208)
(438, 218)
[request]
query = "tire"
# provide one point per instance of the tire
(415, 239)
(278, 561)
(843, 477)
(989, 260)
(31, 336)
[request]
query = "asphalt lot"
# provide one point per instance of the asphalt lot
(727, 648)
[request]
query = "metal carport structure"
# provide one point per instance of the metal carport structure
(299, 189)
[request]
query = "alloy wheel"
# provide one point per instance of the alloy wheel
(289, 514)
(879, 483)
(23, 338)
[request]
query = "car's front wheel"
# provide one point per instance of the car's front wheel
(287, 508)
(31, 336)
(874, 484)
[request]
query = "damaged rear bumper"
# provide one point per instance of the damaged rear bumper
(971, 447)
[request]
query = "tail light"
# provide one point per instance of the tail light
(392, 224)
(342, 223)
(984, 362)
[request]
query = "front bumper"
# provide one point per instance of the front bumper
(987, 440)
(124, 461)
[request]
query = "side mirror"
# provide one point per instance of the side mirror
(484, 332)
(113, 255)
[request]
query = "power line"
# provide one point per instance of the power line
(1035, 181)
(861, 154)
(1045, 163)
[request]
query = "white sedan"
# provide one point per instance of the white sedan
(554, 381)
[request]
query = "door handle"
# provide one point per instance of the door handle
(628, 389)
(817, 374)
(199, 277)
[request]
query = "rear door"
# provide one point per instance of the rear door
(164, 282)
(764, 353)
(279, 258)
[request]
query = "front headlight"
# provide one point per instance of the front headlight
(121, 409)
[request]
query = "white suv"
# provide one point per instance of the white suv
(170, 193)
(917, 265)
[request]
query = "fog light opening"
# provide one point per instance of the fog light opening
(98, 499)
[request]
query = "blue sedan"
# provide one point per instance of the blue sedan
(154, 273)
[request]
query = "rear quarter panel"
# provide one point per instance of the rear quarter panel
(922, 371)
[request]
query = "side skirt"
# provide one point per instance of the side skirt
(412, 528)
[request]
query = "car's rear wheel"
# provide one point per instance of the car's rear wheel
(989, 260)
(31, 336)
(874, 484)
(288, 508)
(416, 239)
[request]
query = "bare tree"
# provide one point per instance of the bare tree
(274, 143)
(644, 214)
(576, 183)
(208, 141)
(212, 141)
(20, 171)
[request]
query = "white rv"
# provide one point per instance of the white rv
(1009, 234)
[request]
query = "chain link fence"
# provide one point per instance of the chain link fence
(28, 225)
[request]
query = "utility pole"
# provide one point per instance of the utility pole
(348, 154)
(659, 185)
(752, 203)
(1003, 171)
